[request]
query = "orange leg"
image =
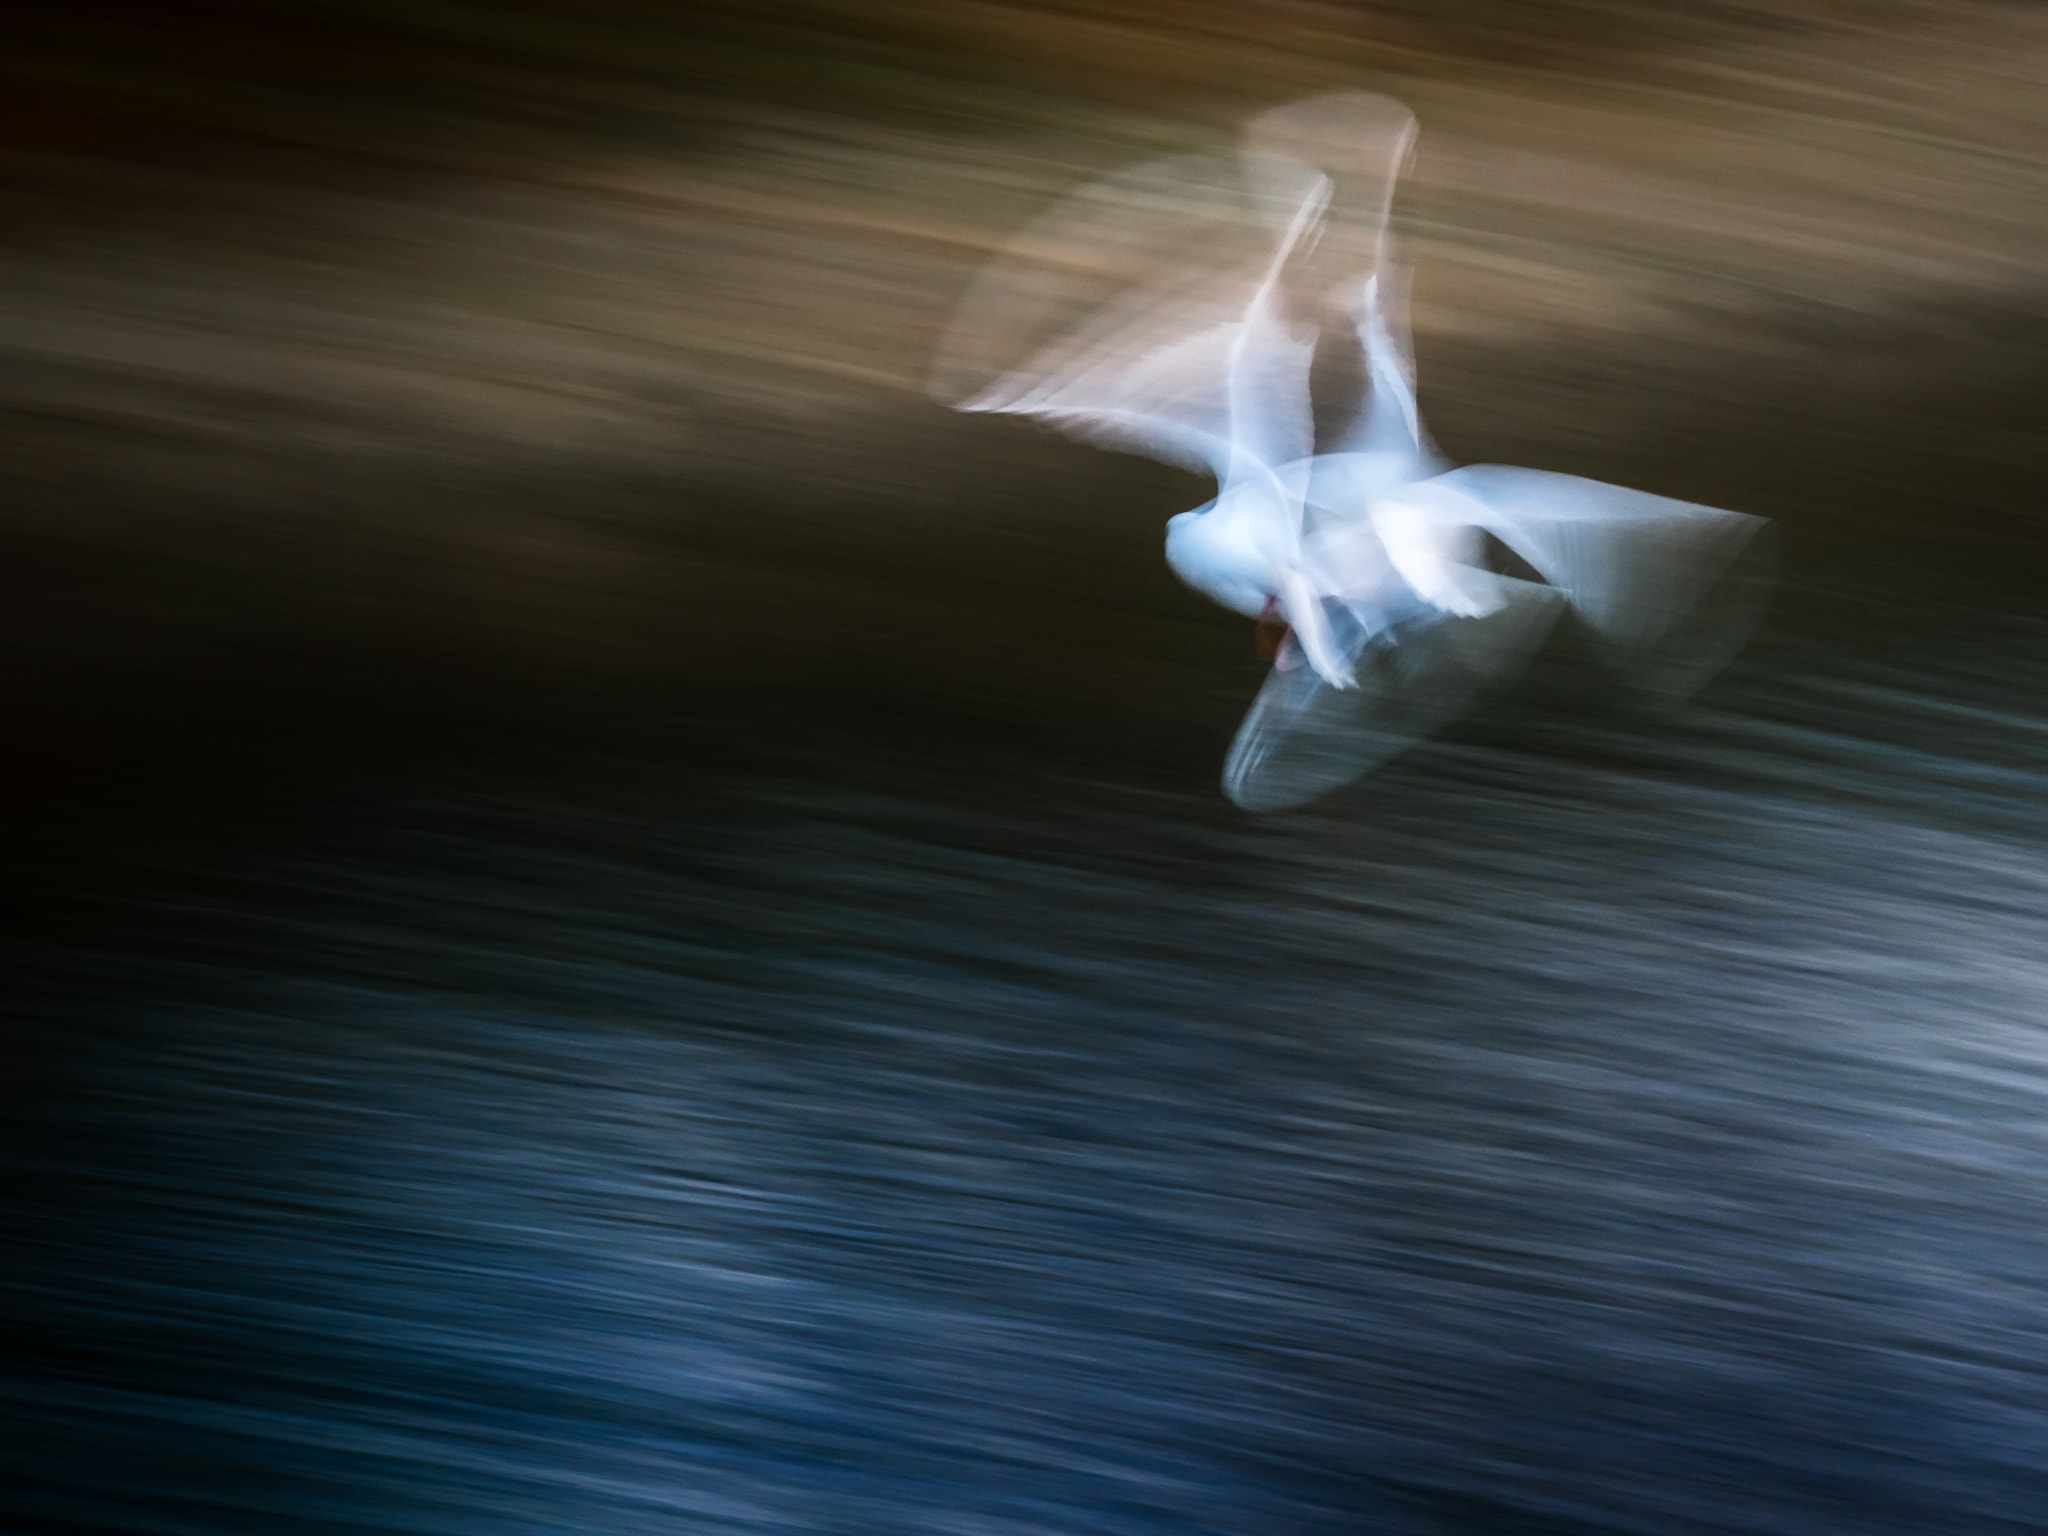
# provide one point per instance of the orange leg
(1269, 633)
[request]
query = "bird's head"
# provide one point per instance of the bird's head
(1220, 555)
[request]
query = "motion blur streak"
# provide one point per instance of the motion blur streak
(628, 925)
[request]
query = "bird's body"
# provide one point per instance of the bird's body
(1175, 311)
(1234, 549)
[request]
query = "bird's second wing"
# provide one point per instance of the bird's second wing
(1138, 314)
(1673, 586)
(1384, 440)
(1363, 143)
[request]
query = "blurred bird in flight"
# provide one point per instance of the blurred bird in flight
(1176, 310)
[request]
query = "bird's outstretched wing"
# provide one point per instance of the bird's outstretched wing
(1146, 313)
(1386, 434)
(1671, 588)
(1354, 278)
(1363, 144)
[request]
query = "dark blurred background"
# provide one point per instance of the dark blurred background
(625, 925)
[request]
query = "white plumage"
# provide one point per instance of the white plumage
(1174, 310)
